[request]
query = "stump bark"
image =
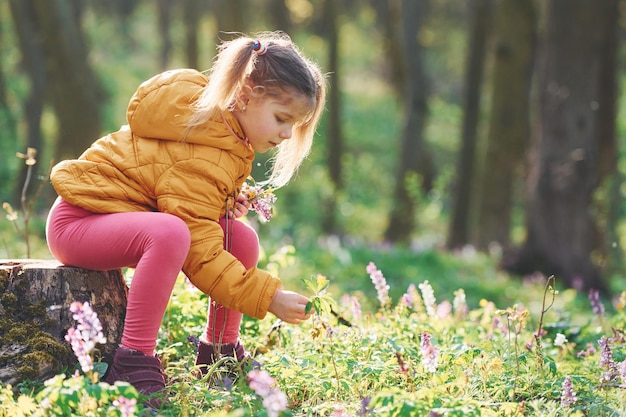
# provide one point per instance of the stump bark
(35, 297)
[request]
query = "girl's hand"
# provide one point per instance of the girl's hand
(289, 307)
(241, 206)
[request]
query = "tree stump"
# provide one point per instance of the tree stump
(35, 299)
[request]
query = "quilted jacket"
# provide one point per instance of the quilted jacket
(155, 164)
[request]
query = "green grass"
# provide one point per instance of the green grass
(325, 366)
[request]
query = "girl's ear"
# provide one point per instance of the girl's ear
(243, 97)
(246, 93)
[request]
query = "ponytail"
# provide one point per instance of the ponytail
(272, 62)
(232, 66)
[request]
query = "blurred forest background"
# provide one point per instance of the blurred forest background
(488, 124)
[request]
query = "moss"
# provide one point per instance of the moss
(27, 372)
(4, 279)
(5, 324)
(41, 353)
(29, 349)
(38, 313)
(10, 302)
(19, 333)
(45, 343)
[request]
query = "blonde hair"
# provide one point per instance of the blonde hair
(280, 69)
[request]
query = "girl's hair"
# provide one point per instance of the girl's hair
(280, 69)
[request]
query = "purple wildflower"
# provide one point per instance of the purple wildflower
(407, 300)
(596, 304)
(412, 298)
(429, 352)
(126, 406)
(263, 384)
(444, 309)
(606, 361)
(568, 396)
(194, 340)
(353, 304)
(365, 410)
(606, 357)
(275, 402)
(500, 325)
(380, 283)
(86, 335)
(587, 352)
(260, 200)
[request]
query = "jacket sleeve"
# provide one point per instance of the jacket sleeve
(208, 266)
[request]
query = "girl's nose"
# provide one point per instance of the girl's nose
(286, 133)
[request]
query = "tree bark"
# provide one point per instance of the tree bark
(459, 232)
(334, 137)
(33, 63)
(232, 17)
(35, 296)
(509, 130)
(8, 122)
(192, 14)
(279, 15)
(74, 89)
(164, 9)
(416, 171)
(610, 178)
(565, 171)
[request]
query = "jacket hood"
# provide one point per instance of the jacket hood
(162, 105)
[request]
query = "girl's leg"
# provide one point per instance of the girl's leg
(222, 323)
(156, 244)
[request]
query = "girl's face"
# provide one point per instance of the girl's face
(269, 120)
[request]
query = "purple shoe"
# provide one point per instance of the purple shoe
(143, 372)
(208, 355)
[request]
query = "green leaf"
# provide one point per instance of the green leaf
(317, 305)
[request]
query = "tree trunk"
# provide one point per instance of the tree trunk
(334, 137)
(610, 179)
(509, 130)
(8, 124)
(279, 15)
(232, 17)
(33, 63)
(462, 195)
(415, 171)
(164, 8)
(75, 91)
(33, 60)
(561, 231)
(192, 13)
(35, 297)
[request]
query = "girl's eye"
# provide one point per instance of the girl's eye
(279, 120)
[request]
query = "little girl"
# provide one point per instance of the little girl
(162, 194)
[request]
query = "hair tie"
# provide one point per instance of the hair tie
(259, 48)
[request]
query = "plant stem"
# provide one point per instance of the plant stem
(25, 211)
(544, 309)
(332, 358)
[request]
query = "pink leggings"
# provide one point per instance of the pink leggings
(156, 245)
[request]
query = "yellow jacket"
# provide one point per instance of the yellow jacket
(149, 165)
